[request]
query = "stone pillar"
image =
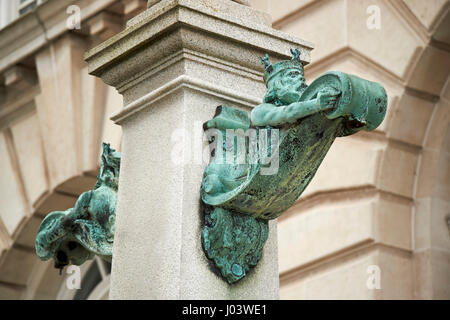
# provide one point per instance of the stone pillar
(174, 64)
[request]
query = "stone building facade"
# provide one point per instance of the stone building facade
(378, 206)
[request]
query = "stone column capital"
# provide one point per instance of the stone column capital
(213, 30)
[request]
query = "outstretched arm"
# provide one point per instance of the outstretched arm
(268, 114)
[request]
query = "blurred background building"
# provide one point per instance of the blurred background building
(378, 206)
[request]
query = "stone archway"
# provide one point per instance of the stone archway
(431, 260)
(53, 118)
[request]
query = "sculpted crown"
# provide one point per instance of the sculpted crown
(270, 70)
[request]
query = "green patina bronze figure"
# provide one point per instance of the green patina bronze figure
(248, 183)
(78, 234)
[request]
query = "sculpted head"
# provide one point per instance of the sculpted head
(52, 241)
(285, 80)
(77, 234)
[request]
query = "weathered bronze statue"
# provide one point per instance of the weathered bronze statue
(241, 196)
(77, 234)
(246, 184)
